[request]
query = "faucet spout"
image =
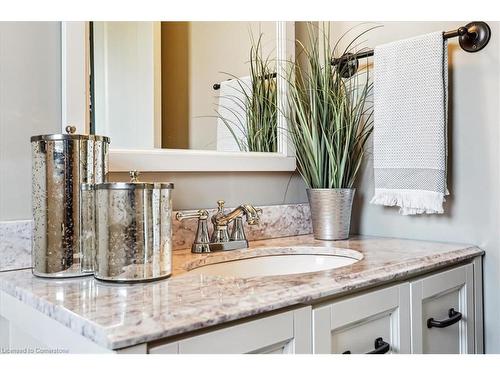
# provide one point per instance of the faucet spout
(251, 214)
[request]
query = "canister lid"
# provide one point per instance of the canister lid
(70, 130)
(132, 185)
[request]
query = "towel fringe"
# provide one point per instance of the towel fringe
(411, 202)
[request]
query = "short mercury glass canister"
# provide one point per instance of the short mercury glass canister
(60, 164)
(331, 212)
(133, 231)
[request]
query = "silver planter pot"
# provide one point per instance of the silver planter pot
(331, 212)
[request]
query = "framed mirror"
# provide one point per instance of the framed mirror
(183, 96)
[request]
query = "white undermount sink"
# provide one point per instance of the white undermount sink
(267, 262)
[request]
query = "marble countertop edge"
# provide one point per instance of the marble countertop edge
(65, 316)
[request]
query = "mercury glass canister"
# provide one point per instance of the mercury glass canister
(60, 164)
(134, 231)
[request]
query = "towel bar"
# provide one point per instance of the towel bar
(472, 37)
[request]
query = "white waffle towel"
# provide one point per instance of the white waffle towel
(410, 124)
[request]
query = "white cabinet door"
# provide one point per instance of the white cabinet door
(288, 332)
(443, 312)
(377, 321)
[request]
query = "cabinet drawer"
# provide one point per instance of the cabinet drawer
(443, 312)
(353, 325)
(284, 333)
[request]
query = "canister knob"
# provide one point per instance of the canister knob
(70, 129)
(134, 176)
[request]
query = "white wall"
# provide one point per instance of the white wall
(472, 210)
(30, 104)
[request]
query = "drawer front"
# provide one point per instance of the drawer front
(443, 312)
(284, 333)
(353, 325)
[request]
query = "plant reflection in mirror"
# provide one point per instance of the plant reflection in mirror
(257, 131)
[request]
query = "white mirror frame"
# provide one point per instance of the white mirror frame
(75, 106)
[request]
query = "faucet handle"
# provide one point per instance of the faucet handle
(201, 242)
(200, 214)
(220, 205)
(252, 214)
(258, 211)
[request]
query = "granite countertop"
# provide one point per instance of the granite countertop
(117, 315)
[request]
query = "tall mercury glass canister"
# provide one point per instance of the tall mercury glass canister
(60, 164)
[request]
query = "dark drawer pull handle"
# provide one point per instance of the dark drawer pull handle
(381, 347)
(453, 317)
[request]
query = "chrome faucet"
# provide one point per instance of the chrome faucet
(221, 240)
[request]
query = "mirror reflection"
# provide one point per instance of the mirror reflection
(185, 85)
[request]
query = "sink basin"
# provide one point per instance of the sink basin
(280, 262)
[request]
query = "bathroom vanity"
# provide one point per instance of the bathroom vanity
(291, 294)
(389, 296)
